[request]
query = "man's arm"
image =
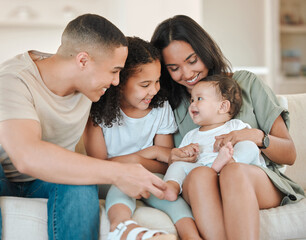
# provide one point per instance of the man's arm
(21, 140)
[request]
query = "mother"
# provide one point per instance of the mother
(226, 205)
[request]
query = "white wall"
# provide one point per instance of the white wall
(238, 26)
(38, 24)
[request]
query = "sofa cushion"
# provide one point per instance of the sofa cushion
(285, 222)
(23, 218)
(26, 218)
(297, 110)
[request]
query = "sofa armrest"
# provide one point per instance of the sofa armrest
(297, 110)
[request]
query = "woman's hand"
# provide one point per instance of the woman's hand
(254, 135)
(188, 153)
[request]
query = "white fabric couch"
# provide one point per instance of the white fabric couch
(27, 218)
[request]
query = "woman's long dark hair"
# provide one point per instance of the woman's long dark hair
(183, 28)
(107, 109)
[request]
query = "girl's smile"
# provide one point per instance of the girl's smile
(140, 89)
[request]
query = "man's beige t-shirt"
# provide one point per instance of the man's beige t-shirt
(23, 95)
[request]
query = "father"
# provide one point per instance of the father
(44, 106)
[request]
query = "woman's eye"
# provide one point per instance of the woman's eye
(193, 61)
(173, 69)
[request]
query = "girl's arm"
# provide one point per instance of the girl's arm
(147, 157)
(94, 141)
(95, 146)
(163, 143)
(281, 149)
(156, 152)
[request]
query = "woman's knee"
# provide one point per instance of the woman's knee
(200, 173)
(198, 178)
(233, 175)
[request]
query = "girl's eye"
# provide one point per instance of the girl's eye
(145, 85)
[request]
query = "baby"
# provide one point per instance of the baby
(215, 101)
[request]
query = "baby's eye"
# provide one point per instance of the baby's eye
(191, 100)
(200, 98)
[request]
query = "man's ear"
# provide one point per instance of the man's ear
(225, 106)
(82, 59)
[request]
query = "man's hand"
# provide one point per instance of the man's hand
(137, 182)
(188, 153)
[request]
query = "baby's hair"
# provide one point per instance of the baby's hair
(229, 90)
(107, 109)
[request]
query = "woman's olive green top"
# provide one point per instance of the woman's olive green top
(260, 109)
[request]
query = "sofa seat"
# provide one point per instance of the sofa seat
(27, 218)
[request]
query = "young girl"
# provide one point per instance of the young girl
(137, 125)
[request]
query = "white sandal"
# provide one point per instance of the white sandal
(132, 235)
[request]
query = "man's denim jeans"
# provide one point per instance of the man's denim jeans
(73, 211)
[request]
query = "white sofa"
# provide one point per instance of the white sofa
(27, 218)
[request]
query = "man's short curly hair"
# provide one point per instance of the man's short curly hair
(90, 33)
(107, 109)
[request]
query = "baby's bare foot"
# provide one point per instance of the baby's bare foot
(172, 190)
(225, 155)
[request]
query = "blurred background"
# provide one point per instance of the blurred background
(267, 37)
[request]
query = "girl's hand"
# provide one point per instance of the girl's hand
(254, 135)
(188, 153)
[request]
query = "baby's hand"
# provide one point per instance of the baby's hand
(186, 154)
(191, 149)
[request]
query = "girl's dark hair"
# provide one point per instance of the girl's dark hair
(183, 28)
(229, 89)
(107, 109)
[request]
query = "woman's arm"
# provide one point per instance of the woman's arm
(281, 149)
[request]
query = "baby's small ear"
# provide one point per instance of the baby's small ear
(225, 106)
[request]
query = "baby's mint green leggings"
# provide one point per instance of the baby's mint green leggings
(176, 210)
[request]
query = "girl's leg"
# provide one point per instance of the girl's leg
(180, 214)
(119, 207)
(244, 191)
(201, 191)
